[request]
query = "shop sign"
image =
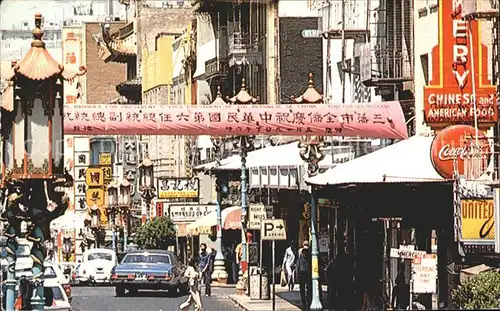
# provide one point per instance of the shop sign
(448, 98)
(105, 158)
(458, 142)
(478, 221)
(176, 188)
(189, 213)
(94, 177)
(406, 252)
(95, 196)
(424, 274)
(257, 213)
(72, 61)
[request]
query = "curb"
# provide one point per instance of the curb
(237, 303)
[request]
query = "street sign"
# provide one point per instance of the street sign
(94, 177)
(105, 158)
(257, 213)
(311, 33)
(273, 229)
(406, 252)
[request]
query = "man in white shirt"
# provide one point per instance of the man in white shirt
(289, 261)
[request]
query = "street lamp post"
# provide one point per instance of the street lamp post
(33, 152)
(219, 273)
(245, 143)
(146, 183)
(124, 201)
(312, 153)
(112, 206)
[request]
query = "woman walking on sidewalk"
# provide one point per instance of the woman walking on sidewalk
(194, 292)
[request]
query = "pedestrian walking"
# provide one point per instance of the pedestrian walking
(304, 272)
(194, 294)
(289, 264)
(205, 268)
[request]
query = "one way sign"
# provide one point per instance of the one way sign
(273, 229)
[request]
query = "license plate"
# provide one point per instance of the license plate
(100, 272)
(140, 276)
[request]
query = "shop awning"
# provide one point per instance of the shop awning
(230, 216)
(405, 161)
(286, 155)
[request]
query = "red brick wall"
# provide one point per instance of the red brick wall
(102, 77)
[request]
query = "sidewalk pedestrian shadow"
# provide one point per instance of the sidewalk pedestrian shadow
(156, 294)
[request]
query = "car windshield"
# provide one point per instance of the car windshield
(149, 258)
(49, 273)
(103, 256)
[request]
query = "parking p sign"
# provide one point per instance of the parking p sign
(273, 229)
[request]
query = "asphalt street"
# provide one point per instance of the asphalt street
(99, 298)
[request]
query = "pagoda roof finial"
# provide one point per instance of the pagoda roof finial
(311, 95)
(243, 97)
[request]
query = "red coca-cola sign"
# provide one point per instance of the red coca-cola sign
(459, 142)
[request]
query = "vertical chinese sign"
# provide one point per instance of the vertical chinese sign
(69, 153)
(95, 197)
(81, 163)
(72, 59)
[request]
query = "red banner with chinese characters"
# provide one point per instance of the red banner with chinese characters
(459, 61)
(374, 120)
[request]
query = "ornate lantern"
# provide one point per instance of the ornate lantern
(32, 120)
(112, 194)
(125, 193)
(146, 179)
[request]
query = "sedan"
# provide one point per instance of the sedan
(148, 269)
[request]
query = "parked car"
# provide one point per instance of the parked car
(52, 272)
(24, 263)
(149, 269)
(55, 296)
(96, 266)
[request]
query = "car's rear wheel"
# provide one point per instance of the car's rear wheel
(119, 291)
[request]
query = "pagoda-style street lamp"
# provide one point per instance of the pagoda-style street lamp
(245, 144)
(124, 202)
(112, 208)
(33, 164)
(146, 183)
(311, 152)
(219, 272)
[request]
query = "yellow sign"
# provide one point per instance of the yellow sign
(105, 159)
(314, 265)
(108, 173)
(94, 177)
(95, 196)
(478, 221)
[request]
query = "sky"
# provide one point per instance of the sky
(17, 11)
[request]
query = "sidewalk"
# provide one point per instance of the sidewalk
(285, 301)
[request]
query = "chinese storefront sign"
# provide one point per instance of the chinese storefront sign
(189, 213)
(448, 98)
(95, 196)
(69, 153)
(424, 274)
(377, 120)
(94, 179)
(458, 142)
(170, 188)
(159, 209)
(81, 163)
(72, 60)
(105, 159)
(128, 146)
(478, 221)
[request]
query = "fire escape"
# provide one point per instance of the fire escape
(386, 55)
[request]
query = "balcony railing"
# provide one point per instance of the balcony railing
(390, 66)
(240, 42)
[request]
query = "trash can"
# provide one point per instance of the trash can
(255, 277)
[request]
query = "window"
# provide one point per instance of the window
(147, 258)
(103, 256)
(424, 60)
(98, 146)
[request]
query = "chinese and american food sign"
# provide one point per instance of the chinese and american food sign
(448, 99)
(72, 59)
(377, 120)
(177, 188)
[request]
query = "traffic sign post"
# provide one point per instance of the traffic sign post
(272, 230)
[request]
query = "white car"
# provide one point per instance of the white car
(96, 266)
(52, 272)
(24, 263)
(55, 296)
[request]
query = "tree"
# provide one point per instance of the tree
(156, 234)
(478, 292)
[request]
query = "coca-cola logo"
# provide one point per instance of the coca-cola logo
(458, 147)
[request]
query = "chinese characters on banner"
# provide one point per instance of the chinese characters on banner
(170, 188)
(81, 161)
(72, 60)
(448, 99)
(376, 120)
